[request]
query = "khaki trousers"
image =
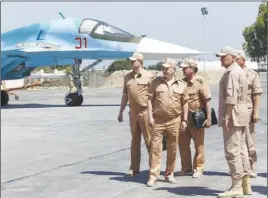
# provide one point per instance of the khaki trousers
(236, 152)
(138, 126)
(185, 151)
(171, 129)
(251, 142)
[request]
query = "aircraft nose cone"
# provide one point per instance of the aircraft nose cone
(155, 50)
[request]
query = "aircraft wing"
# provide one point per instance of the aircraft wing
(51, 55)
(18, 60)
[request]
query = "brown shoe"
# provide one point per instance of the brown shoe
(132, 173)
(183, 173)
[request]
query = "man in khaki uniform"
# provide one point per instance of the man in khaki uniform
(253, 101)
(136, 84)
(167, 100)
(233, 118)
(199, 98)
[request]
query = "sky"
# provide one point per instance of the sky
(180, 23)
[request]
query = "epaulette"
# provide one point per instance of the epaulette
(252, 71)
(156, 78)
(200, 79)
(181, 80)
(184, 79)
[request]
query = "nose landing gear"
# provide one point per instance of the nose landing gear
(75, 98)
(4, 98)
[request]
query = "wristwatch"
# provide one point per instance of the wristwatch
(185, 121)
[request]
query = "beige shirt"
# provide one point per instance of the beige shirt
(199, 93)
(136, 88)
(254, 86)
(234, 90)
(167, 100)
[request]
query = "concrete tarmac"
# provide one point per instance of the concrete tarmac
(50, 150)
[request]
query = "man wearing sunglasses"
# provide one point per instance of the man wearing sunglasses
(253, 102)
(199, 98)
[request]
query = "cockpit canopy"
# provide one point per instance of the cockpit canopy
(102, 30)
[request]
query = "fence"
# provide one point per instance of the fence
(99, 79)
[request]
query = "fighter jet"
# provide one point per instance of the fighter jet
(67, 41)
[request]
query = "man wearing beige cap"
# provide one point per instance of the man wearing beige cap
(199, 98)
(233, 118)
(136, 84)
(253, 102)
(168, 98)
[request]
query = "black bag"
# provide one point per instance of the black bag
(200, 116)
(164, 142)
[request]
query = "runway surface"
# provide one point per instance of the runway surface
(49, 150)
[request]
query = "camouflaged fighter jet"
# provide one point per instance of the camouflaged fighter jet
(67, 41)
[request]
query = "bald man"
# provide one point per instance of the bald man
(234, 118)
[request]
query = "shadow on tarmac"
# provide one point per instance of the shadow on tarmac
(191, 191)
(184, 191)
(265, 175)
(263, 190)
(214, 173)
(142, 177)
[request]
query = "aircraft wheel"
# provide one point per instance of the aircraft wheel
(73, 99)
(4, 98)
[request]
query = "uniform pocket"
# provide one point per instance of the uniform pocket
(176, 95)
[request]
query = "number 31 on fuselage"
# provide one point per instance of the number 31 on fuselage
(82, 43)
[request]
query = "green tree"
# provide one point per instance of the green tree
(119, 65)
(48, 69)
(255, 36)
(158, 66)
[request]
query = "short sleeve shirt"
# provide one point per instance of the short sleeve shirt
(167, 100)
(254, 86)
(136, 88)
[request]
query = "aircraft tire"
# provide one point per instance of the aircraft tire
(73, 99)
(4, 98)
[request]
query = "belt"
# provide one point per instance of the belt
(142, 108)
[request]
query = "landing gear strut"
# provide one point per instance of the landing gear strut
(76, 98)
(4, 98)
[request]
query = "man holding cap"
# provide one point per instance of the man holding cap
(233, 118)
(199, 98)
(168, 98)
(253, 102)
(136, 84)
